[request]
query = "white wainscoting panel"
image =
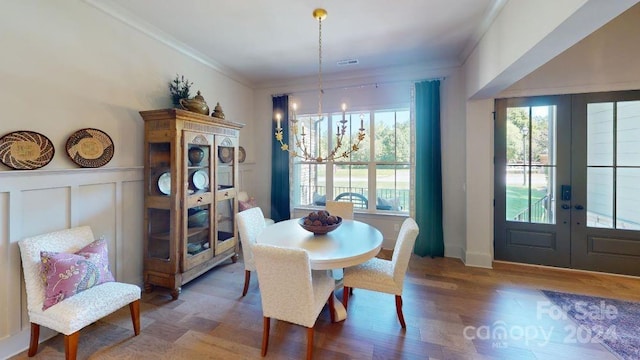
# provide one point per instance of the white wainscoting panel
(110, 200)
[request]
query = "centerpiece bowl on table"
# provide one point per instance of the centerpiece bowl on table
(320, 222)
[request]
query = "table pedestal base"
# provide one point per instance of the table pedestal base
(339, 310)
(338, 307)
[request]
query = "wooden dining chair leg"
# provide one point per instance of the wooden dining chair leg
(247, 279)
(345, 297)
(71, 346)
(134, 307)
(399, 311)
(35, 338)
(309, 343)
(265, 335)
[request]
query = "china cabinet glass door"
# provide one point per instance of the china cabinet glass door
(197, 222)
(225, 181)
(160, 239)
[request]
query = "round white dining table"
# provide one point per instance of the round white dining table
(352, 243)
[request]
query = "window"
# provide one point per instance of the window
(379, 170)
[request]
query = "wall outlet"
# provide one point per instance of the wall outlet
(396, 227)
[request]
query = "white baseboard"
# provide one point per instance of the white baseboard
(453, 251)
(17, 343)
(483, 260)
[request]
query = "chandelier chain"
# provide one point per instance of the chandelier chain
(341, 129)
(320, 91)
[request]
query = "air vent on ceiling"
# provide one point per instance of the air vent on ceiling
(346, 62)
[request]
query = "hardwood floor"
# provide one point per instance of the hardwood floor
(452, 312)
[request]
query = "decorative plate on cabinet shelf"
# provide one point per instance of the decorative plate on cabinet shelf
(200, 179)
(242, 155)
(25, 150)
(225, 154)
(90, 148)
(164, 183)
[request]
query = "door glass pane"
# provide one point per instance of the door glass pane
(543, 125)
(600, 134)
(543, 180)
(600, 197)
(531, 160)
(517, 195)
(628, 133)
(628, 199)
(517, 135)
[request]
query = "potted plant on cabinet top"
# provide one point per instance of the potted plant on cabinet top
(179, 89)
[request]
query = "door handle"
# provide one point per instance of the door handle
(579, 207)
(566, 207)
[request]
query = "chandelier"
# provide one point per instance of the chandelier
(300, 138)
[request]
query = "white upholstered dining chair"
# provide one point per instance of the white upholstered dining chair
(250, 224)
(73, 313)
(385, 276)
(344, 209)
(290, 290)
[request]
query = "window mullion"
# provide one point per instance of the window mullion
(371, 191)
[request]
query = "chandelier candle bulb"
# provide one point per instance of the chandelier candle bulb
(344, 108)
(361, 122)
(278, 121)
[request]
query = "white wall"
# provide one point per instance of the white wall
(527, 34)
(66, 65)
(478, 249)
(604, 61)
(571, 71)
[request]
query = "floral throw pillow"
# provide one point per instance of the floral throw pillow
(65, 274)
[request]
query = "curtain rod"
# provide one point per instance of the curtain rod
(372, 84)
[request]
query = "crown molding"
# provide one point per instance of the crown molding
(137, 23)
(414, 72)
(492, 12)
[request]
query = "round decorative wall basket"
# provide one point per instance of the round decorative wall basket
(90, 148)
(25, 150)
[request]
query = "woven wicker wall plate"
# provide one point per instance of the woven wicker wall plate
(242, 155)
(90, 148)
(225, 153)
(25, 150)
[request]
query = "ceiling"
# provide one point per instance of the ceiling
(265, 42)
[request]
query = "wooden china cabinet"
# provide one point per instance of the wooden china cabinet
(191, 186)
